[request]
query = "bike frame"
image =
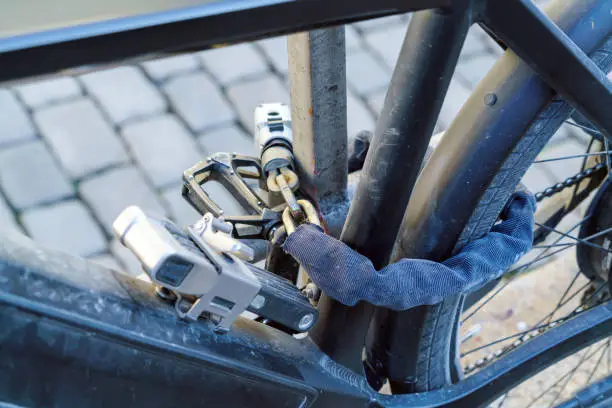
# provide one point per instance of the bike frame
(85, 345)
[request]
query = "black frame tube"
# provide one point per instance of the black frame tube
(155, 34)
(421, 78)
(422, 235)
(317, 73)
(554, 56)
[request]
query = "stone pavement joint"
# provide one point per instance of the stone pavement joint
(247, 95)
(40, 93)
(163, 148)
(7, 218)
(164, 68)
(124, 135)
(387, 43)
(180, 211)
(126, 257)
(473, 70)
(228, 137)
(111, 192)
(198, 101)
(359, 118)
(29, 176)
(66, 226)
(275, 50)
(14, 121)
(364, 74)
(236, 62)
(124, 93)
(83, 141)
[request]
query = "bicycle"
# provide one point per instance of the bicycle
(79, 334)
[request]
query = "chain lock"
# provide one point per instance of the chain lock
(310, 215)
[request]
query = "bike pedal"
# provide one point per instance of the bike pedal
(203, 269)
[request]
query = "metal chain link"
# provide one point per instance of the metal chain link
(569, 182)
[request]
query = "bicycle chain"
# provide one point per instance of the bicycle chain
(569, 182)
(548, 192)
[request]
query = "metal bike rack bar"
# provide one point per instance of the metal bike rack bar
(317, 69)
(395, 157)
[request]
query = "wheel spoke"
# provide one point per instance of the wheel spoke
(573, 156)
(584, 241)
(505, 338)
(592, 374)
(584, 358)
(539, 324)
(610, 355)
(540, 257)
(503, 401)
(561, 304)
(565, 294)
(582, 168)
(564, 376)
(586, 128)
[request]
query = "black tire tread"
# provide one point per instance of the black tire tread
(432, 371)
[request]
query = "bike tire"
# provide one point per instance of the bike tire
(435, 365)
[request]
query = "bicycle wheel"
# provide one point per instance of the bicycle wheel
(480, 174)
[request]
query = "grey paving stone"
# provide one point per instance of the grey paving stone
(561, 169)
(39, 93)
(247, 95)
(180, 211)
(381, 23)
(358, 117)
(83, 141)
(276, 50)
(66, 226)
(228, 139)
(455, 98)
(353, 39)
(111, 192)
(198, 101)
(387, 43)
(164, 68)
(474, 44)
(124, 93)
(474, 69)
(236, 62)
(30, 176)
(537, 179)
(7, 218)
(376, 101)
(163, 147)
(490, 45)
(365, 74)
(107, 260)
(14, 121)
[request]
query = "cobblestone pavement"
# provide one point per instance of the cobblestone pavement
(74, 151)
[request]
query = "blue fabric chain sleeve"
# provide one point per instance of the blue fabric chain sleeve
(349, 277)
